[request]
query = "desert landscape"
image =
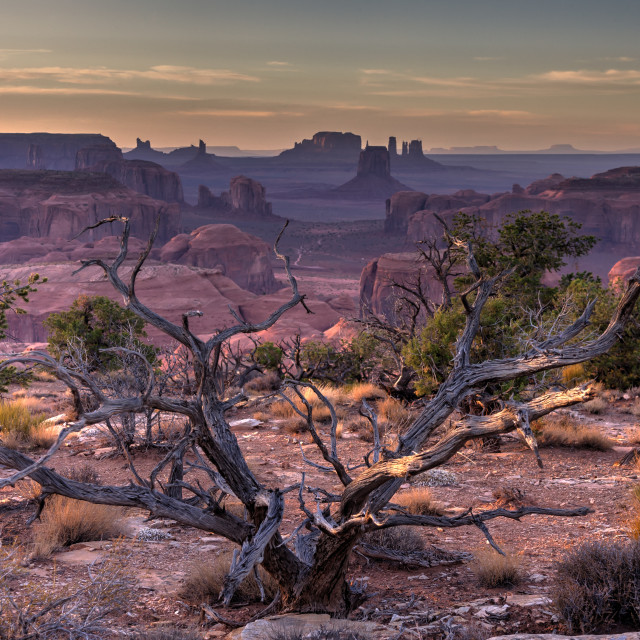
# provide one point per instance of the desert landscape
(319, 321)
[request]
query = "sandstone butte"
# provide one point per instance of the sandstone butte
(142, 176)
(171, 290)
(61, 204)
(246, 198)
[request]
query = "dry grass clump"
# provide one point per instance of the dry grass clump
(393, 411)
(597, 587)
(65, 521)
(634, 409)
(419, 501)
(567, 433)
(634, 521)
(29, 489)
(204, 582)
(365, 391)
(494, 570)
(336, 630)
(573, 374)
(262, 416)
(402, 539)
(19, 420)
(282, 410)
(265, 383)
(596, 406)
(509, 497)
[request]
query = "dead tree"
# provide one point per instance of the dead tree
(310, 569)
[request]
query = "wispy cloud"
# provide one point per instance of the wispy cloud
(487, 58)
(279, 63)
(82, 91)
(235, 113)
(100, 75)
(624, 77)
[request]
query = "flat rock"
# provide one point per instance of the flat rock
(306, 626)
(634, 635)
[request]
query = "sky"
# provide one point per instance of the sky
(262, 74)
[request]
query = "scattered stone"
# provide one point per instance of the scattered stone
(147, 534)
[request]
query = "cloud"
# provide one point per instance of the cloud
(235, 113)
(487, 58)
(81, 91)
(623, 77)
(100, 75)
(279, 63)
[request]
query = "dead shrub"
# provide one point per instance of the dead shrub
(29, 489)
(402, 539)
(262, 416)
(265, 383)
(65, 521)
(294, 425)
(43, 435)
(365, 391)
(495, 570)
(419, 501)
(597, 587)
(335, 630)
(567, 433)
(595, 406)
(509, 497)
(204, 582)
(634, 409)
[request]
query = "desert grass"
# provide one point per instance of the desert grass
(494, 570)
(634, 409)
(573, 374)
(204, 582)
(567, 433)
(168, 633)
(365, 391)
(633, 525)
(283, 410)
(392, 411)
(596, 406)
(65, 521)
(294, 425)
(419, 501)
(262, 416)
(18, 421)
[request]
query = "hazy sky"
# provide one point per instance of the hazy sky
(262, 74)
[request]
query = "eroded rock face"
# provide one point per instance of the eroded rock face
(623, 270)
(60, 205)
(27, 250)
(246, 198)
(170, 290)
(606, 205)
(142, 176)
(378, 292)
(46, 150)
(400, 207)
(240, 256)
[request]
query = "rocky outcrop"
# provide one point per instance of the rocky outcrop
(60, 205)
(144, 151)
(45, 150)
(378, 291)
(202, 163)
(246, 198)
(327, 144)
(238, 255)
(607, 206)
(142, 176)
(26, 250)
(623, 270)
(170, 290)
(400, 207)
(373, 179)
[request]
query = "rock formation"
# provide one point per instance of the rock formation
(54, 151)
(373, 179)
(144, 151)
(400, 207)
(246, 198)
(606, 205)
(393, 146)
(142, 176)
(201, 163)
(378, 292)
(26, 250)
(61, 205)
(623, 270)
(240, 256)
(169, 289)
(327, 144)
